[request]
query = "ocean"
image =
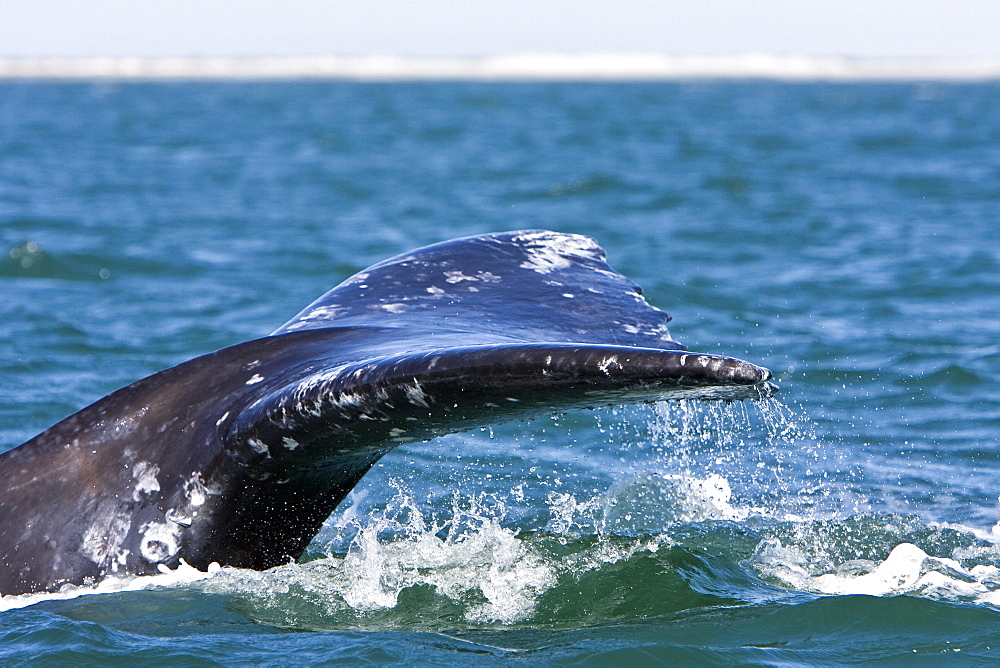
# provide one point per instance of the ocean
(845, 235)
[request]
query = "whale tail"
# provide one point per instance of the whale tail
(240, 455)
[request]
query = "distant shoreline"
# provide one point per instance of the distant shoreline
(515, 67)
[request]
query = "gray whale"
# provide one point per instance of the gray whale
(239, 456)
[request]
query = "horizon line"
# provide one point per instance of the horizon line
(508, 67)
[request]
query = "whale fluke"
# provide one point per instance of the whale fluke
(239, 456)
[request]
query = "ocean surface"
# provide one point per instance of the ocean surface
(847, 236)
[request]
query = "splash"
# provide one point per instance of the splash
(768, 452)
(409, 566)
(816, 534)
(647, 503)
(468, 558)
(727, 480)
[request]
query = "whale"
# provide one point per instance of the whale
(238, 457)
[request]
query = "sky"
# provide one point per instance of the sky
(955, 29)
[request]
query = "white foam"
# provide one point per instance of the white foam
(906, 570)
(182, 575)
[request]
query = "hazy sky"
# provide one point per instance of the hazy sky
(150, 28)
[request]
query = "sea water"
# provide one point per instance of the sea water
(845, 235)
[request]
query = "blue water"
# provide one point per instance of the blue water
(846, 236)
